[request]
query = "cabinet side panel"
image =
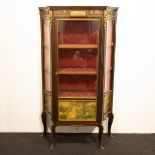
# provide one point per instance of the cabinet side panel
(109, 55)
(45, 21)
(46, 55)
(110, 23)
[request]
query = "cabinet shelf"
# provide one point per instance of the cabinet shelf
(77, 94)
(78, 71)
(78, 45)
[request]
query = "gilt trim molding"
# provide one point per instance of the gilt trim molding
(46, 13)
(71, 13)
(109, 14)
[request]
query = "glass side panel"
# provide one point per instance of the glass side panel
(76, 110)
(77, 57)
(46, 56)
(109, 32)
(109, 56)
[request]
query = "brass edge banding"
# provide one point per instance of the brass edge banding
(108, 92)
(109, 14)
(78, 13)
(47, 92)
(74, 13)
(46, 13)
(50, 23)
(60, 13)
(95, 13)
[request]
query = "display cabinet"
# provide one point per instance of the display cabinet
(78, 48)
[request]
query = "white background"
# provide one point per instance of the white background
(20, 72)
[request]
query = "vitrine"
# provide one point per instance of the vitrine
(78, 49)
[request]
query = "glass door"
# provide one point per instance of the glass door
(77, 68)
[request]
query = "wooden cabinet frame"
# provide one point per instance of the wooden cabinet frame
(49, 16)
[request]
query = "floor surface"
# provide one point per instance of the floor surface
(76, 144)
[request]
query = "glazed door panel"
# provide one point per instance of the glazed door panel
(77, 67)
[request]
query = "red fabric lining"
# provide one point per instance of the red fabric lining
(78, 31)
(78, 38)
(77, 93)
(77, 58)
(77, 83)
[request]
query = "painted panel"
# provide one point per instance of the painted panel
(77, 110)
(107, 108)
(47, 103)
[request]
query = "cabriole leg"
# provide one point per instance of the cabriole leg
(53, 136)
(100, 137)
(110, 120)
(43, 116)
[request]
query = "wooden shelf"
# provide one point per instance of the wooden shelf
(78, 71)
(78, 46)
(77, 94)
